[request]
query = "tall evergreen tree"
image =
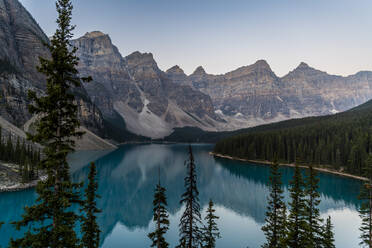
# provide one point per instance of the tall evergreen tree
(314, 222)
(365, 210)
(89, 227)
(210, 231)
(274, 228)
(328, 237)
(160, 218)
(190, 231)
(296, 224)
(51, 221)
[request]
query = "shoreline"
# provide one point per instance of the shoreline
(323, 170)
(21, 186)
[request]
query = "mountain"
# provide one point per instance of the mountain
(253, 95)
(130, 98)
(341, 142)
(134, 89)
(21, 44)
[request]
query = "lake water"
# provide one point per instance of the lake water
(127, 178)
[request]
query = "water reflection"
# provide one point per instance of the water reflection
(128, 175)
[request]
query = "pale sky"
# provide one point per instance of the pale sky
(330, 35)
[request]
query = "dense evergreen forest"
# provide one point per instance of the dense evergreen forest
(22, 154)
(342, 141)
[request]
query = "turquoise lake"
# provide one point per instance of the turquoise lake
(128, 175)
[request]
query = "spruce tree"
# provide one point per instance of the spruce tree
(328, 236)
(296, 223)
(210, 231)
(190, 231)
(89, 227)
(365, 210)
(314, 222)
(51, 221)
(274, 228)
(160, 218)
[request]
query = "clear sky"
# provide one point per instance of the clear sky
(221, 35)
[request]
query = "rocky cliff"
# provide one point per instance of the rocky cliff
(253, 95)
(150, 103)
(132, 94)
(21, 44)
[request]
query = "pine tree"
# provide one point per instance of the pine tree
(160, 218)
(365, 210)
(190, 231)
(89, 227)
(274, 228)
(51, 221)
(210, 231)
(296, 224)
(314, 222)
(328, 237)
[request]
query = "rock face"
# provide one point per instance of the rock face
(21, 40)
(253, 95)
(146, 98)
(132, 93)
(21, 44)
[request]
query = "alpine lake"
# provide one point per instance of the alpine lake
(127, 179)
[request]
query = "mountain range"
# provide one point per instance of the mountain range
(132, 98)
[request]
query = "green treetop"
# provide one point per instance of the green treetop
(296, 224)
(314, 222)
(210, 231)
(89, 227)
(274, 228)
(328, 237)
(160, 218)
(365, 210)
(190, 231)
(51, 221)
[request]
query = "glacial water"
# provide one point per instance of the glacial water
(127, 178)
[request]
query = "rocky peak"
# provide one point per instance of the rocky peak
(259, 71)
(303, 66)
(138, 59)
(96, 50)
(175, 70)
(304, 70)
(199, 71)
(262, 64)
(177, 75)
(94, 34)
(95, 43)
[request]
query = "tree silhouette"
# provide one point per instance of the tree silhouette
(51, 221)
(190, 231)
(274, 228)
(90, 228)
(160, 218)
(210, 231)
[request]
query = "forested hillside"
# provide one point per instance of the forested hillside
(342, 141)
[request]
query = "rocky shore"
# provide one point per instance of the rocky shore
(10, 180)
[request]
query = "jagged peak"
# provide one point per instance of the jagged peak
(175, 70)
(94, 34)
(139, 55)
(199, 71)
(138, 58)
(262, 63)
(302, 66)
